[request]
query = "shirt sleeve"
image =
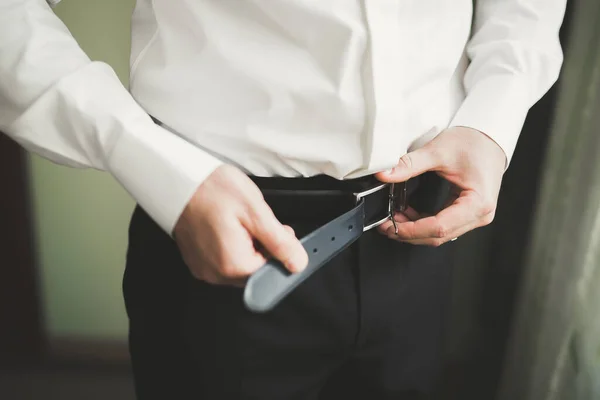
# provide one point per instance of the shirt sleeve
(58, 103)
(515, 57)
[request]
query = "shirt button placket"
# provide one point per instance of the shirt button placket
(386, 143)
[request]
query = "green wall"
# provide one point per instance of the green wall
(81, 216)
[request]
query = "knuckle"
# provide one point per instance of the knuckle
(406, 161)
(441, 231)
(487, 213)
(258, 210)
(437, 155)
(488, 208)
(488, 218)
(256, 196)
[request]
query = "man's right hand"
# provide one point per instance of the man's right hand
(217, 231)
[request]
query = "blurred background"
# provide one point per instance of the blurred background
(73, 345)
(525, 321)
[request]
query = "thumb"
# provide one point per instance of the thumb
(278, 240)
(410, 165)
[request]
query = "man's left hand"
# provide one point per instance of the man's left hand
(473, 163)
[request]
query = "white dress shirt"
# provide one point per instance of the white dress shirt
(275, 87)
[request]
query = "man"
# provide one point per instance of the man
(256, 104)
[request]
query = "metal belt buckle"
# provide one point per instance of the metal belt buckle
(396, 202)
(272, 282)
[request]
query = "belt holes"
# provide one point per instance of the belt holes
(350, 227)
(315, 250)
(332, 238)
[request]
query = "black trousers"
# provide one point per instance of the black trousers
(368, 325)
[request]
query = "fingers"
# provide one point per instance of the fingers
(411, 214)
(463, 215)
(278, 240)
(228, 259)
(412, 164)
(262, 248)
(218, 232)
(440, 241)
(471, 162)
(438, 226)
(236, 267)
(407, 215)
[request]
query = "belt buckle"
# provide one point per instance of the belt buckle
(397, 201)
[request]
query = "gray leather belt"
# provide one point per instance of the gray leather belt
(272, 282)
